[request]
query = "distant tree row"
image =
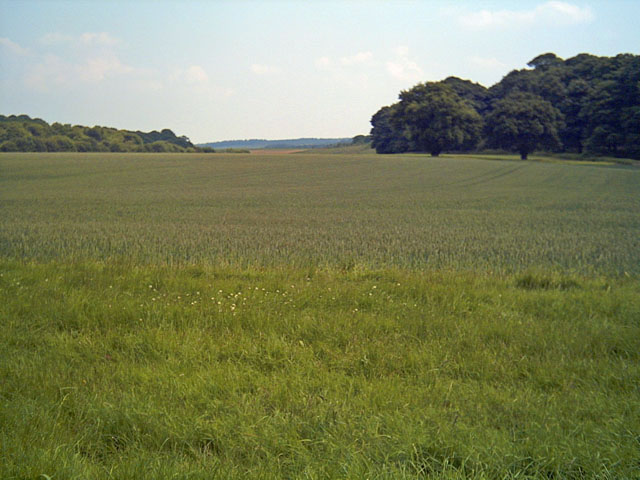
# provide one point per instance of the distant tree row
(586, 104)
(20, 133)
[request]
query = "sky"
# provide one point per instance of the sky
(217, 70)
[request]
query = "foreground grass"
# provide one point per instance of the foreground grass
(124, 371)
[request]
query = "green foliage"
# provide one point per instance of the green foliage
(361, 140)
(434, 118)
(545, 61)
(473, 93)
(385, 138)
(59, 143)
(234, 150)
(24, 134)
(430, 117)
(523, 121)
(598, 99)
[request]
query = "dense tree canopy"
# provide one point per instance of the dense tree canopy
(523, 122)
(435, 118)
(386, 137)
(24, 134)
(585, 104)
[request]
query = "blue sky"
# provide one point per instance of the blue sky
(265, 69)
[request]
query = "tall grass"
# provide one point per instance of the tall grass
(158, 372)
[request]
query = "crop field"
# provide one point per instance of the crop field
(315, 211)
(318, 316)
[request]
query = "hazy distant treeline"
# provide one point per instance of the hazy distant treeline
(21, 133)
(278, 144)
(585, 104)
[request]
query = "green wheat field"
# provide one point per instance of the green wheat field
(318, 316)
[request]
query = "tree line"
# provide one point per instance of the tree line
(584, 105)
(21, 133)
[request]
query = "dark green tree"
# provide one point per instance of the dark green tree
(544, 61)
(523, 122)
(611, 112)
(386, 137)
(475, 94)
(434, 118)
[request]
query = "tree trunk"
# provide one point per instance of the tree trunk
(523, 154)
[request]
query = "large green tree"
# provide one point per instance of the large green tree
(523, 122)
(434, 118)
(386, 135)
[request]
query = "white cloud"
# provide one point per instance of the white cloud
(97, 69)
(13, 47)
(553, 12)
(100, 38)
(403, 68)
(323, 63)
(195, 80)
(355, 70)
(51, 71)
(566, 12)
(90, 58)
(259, 69)
(357, 59)
(360, 59)
(48, 72)
(350, 71)
(195, 74)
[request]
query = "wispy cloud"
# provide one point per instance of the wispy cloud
(100, 38)
(355, 70)
(12, 47)
(86, 39)
(351, 71)
(402, 67)
(261, 69)
(553, 12)
(96, 59)
(98, 68)
(53, 71)
(66, 61)
(323, 63)
(195, 74)
(196, 80)
(357, 59)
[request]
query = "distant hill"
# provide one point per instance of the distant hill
(289, 143)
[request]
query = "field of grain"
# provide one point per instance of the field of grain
(337, 211)
(318, 316)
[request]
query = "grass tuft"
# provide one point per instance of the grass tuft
(536, 281)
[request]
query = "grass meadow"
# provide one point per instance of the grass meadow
(318, 316)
